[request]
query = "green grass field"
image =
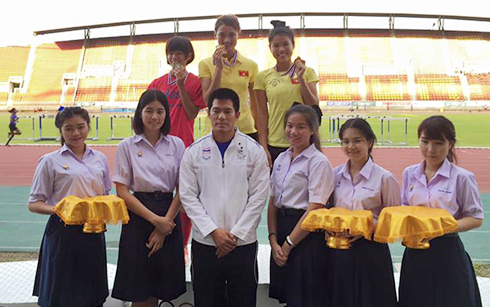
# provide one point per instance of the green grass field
(472, 129)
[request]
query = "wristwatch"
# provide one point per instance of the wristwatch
(288, 241)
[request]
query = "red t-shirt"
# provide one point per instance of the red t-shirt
(181, 126)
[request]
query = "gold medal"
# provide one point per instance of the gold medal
(177, 66)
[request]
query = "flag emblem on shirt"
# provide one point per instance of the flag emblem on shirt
(243, 73)
(206, 153)
(295, 81)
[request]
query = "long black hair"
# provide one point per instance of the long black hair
(146, 98)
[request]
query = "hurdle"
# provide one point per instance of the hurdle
(96, 136)
(57, 138)
(113, 118)
(334, 124)
(388, 120)
(33, 128)
(45, 138)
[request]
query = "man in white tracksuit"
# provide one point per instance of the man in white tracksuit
(224, 184)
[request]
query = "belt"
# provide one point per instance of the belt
(290, 212)
(450, 235)
(159, 195)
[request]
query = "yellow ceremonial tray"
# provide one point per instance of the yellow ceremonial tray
(340, 220)
(92, 212)
(413, 225)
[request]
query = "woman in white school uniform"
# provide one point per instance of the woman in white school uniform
(361, 276)
(442, 275)
(151, 255)
(72, 266)
(302, 180)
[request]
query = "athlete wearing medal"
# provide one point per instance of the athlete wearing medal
(228, 68)
(184, 95)
(181, 88)
(277, 88)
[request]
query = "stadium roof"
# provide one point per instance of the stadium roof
(389, 21)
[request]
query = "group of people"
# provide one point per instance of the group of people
(263, 143)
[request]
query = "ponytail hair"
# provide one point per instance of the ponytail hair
(311, 118)
(280, 28)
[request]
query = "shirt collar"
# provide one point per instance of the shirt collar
(141, 137)
(307, 152)
(232, 139)
(65, 148)
(367, 169)
(365, 172)
(444, 170)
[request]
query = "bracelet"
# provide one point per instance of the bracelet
(272, 234)
(288, 241)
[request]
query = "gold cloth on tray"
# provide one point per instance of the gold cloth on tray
(413, 225)
(340, 220)
(92, 212)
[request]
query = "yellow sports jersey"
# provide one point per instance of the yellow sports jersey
(237, 78)
(282, 92)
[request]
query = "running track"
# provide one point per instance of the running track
(17, 163)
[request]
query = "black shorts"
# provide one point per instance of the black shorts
(275, 151)
(254, 136)
(12, 127)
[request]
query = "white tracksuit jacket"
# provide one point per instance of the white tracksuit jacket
(228, 193)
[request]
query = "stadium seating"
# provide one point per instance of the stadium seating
(382, 87)
(51, 63)
(13, 61)
(438, 87)
(356, 67)
(3, 97)
(94, 89)
(339, 88)
(479, 86)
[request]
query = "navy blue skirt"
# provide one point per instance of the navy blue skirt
(361, 276)
(72, 267)
(441, 276)
(163, 274)
(302, 281)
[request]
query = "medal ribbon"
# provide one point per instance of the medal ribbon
(170, 82)
(289, 72)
